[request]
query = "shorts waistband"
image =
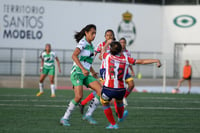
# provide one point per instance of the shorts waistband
(114, 89)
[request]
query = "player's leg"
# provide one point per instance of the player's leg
(119, 95)
(93, 94)
(130, 82)
(95, 85)
(78, 91)
(179, 82)
(106, 97)
(51, 78)
(189, 85)
(86, 100)
(131, 85)
(42, 78)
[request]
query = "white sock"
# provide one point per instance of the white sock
(41, 87)
(69, 110)
(92, 107)
(52, 89)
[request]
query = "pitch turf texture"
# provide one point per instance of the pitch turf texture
(22, 112)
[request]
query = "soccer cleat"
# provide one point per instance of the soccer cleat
(53, 95)
(89, 119)
(110, 126)
(81, 108)
(125, 114)
(39, 94)
(64, 122)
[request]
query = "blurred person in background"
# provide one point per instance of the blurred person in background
(48, 68)
(187, 75)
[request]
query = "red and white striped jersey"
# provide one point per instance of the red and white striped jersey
(98, 50)
(126, 53)
(116, 69)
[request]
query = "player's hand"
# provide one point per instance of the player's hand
(159, 64)
(59, 70)
(109, 41)
(133, 74)
(41, 68)
(85, 72)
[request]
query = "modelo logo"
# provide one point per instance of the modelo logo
(184, 21)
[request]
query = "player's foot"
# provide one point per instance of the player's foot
(188, 92)
(64, 122)
(53, 95)
(81, 108)
(110, 126)
(89, 119)
(39, 94)
(125, 114)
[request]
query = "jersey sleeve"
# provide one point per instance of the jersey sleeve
(131, 60)
(98, 49)
(129, 54)
(81, 45)
(41, 54)
(54, 54)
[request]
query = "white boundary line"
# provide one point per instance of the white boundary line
(67, 100)
(64, 106)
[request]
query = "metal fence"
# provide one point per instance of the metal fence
(11, 60)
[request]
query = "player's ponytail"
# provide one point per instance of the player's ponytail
(79, 35)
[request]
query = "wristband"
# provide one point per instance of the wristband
(41, 67)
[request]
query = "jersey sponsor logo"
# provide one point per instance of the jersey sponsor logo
(185, 21)
(127, 28)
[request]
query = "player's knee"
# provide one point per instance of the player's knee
(78, 98)
(131, 85)
(119, 101)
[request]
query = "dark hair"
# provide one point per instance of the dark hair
(46, 45)
(79, 35)
(122, 39)
(109, 30)
(115, 48)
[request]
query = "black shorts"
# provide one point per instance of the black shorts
(189, 78)
(109, 93)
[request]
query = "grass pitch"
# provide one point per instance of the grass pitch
(22, 112)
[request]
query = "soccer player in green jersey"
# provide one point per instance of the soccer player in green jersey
(83, 57)
(48, 68)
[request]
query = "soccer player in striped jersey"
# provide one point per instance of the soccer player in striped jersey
(128, 78)
(109, 34)
(83, 57)
(48, 68)
(116, 65)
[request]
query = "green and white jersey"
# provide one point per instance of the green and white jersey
(48, 59)
(86, 55)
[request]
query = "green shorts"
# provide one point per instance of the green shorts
(48, 71)
(78, 79)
